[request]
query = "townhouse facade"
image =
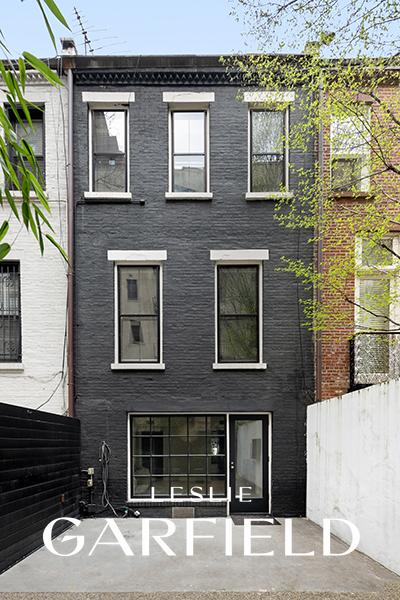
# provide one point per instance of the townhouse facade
(33, 289)
(363, 348)
(190, 364)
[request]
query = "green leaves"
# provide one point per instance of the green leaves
(4, 250)
(52, 6)
(40, 66)
(57, 245)
(4, 227)
(18, 164)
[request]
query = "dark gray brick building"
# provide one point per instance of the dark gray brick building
(190, 359)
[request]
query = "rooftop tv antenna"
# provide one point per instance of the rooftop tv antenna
(86, 41)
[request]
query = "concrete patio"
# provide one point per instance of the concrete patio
(109, 570)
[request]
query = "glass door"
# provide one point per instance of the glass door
(249, 463)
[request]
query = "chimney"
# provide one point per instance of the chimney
(68, 47)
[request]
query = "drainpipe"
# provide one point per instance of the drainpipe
(318, 292)
(69, 49)
(70, 289)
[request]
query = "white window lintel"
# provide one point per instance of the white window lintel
(269, 97)
(108, 97)
(188, 97)
(138, 256)
(239, 255)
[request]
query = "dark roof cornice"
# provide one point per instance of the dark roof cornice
(99, 77)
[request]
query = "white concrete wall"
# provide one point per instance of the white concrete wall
(353, 462)
(43, 279)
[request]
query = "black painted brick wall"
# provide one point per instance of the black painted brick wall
(187, 230)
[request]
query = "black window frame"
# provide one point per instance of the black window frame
(37, 116)
(286, 120)
(150, 455)
(109, 154)
(258, 316)
(138, 316)
(17, 357)
(204, 111)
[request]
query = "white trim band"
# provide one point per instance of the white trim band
(108, 97)
(269, 97)
(268, 195)
(137, 256)
(125, 196)
(16, 366)
(239, 255)
(188, 97)
(188, 195)
(137, 366)
(238, 366)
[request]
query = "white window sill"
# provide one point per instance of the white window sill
(188, 195)
(239, 366)
(11, 366)
(268, 195)
(17, 194)
(108, 196)
(138, 367)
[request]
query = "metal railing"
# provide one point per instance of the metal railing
(374, 358)
(10, 312)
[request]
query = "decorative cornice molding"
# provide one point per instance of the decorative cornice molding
(157, 78)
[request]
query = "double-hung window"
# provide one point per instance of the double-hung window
(238, 308)
(189, 160)
(376, 348)
(268, 150)
(138, 309)
(139, 313)
(10, 312)
(350, 152)
(189, 156)
(34, 135)
(109, 169)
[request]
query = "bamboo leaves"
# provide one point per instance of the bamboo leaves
(20, 168)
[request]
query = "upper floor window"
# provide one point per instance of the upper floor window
(10, 312)
(268, 150)
(376, 343)
(189, 151)
(238, 313)
(109, 150)
(139, 313)
(34, 135)
(138, 309)
(350, 152)
(238, 308)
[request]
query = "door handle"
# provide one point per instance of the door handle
(232, 465)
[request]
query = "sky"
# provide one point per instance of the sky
(128, 26)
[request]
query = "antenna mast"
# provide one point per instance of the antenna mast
(86, 40)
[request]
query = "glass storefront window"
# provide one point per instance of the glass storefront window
(178, 451)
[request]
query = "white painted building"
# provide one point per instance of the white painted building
(33, 362)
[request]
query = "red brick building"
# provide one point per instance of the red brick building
(358, 344)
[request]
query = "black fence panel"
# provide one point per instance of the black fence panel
(39, 477)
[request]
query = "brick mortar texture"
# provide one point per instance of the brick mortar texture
(187, 230)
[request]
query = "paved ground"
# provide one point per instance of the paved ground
(209, 570)
(390, 593)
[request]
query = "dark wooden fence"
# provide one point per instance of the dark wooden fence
(39, 477)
